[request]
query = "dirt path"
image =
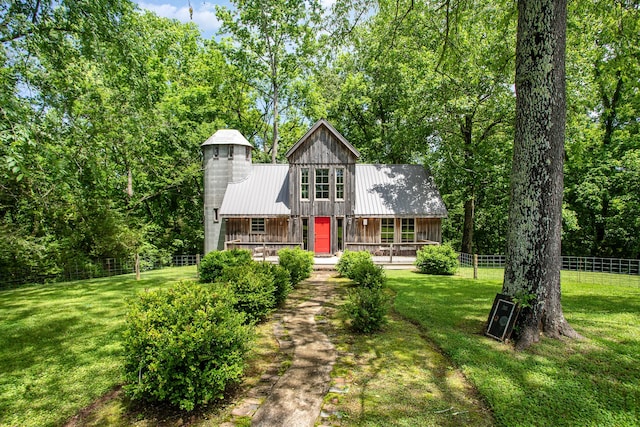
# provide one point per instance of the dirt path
(296, 399)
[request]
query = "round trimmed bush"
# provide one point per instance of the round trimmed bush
(254, 289)
(366, 274)
(215, 262)
(281, 280)
(437, 259)
(184, 346)
(298, 262)
(349, 259)
(365, 309)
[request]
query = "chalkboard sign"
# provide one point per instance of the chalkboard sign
(502, 317)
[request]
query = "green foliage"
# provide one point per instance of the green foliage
(349, 259)
(437, 259)
(298, 262)
(281, 281)
(213, 264)
(254, 288)
(184, 346)
(365, 309)
(368, 275)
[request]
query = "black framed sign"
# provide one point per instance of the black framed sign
(502, 317)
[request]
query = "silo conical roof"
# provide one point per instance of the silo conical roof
(227, 137)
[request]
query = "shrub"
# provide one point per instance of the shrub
(298, 262)
(365, 309)
(254, 289)
(281, 280)
(215, 262)
(437, 259)
(349, 259)
(366, 274)
(184, 346)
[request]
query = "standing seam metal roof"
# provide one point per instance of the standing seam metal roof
(265, 192)
(381, 190)
(397, 190)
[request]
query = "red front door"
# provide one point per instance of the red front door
(322, 231)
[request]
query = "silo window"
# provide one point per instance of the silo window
(216, 152)
(216, 218)
(248, 153)
(231, 151)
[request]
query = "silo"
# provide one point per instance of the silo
(226, 158)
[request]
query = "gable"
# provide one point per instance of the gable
(322, 144)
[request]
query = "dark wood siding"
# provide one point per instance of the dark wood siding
(276, 230)
(322, 150)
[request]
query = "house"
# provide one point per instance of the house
(323, 200)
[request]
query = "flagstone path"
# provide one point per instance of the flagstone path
(295, 399)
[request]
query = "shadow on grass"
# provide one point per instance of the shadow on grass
(556, 382)
(60, 344)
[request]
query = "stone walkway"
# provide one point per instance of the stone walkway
(295, 399)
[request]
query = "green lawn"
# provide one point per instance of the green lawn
(595, 381)
(60, 350)
(60, 345)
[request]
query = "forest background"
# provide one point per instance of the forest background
(103, 108)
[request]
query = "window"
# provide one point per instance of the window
(305, 233)
(387, 230)
(304, 184)
(340, 184)
(340, 233)
(248, 153)
(408, 230)
(322, 183)
(216, 218)
(216, 152)
(231, 151)
(257, 226)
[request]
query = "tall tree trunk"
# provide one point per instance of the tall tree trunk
(467, 228)
(466, 128)
(535, 214)
(274, 147)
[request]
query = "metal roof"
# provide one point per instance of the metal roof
(265, 192)
(397, 190)
(381, 190)
(227, 137)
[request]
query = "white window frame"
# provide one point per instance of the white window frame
(339, 185)
(322, 185)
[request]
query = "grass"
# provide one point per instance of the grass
(396, 377)
(595, 381)
(431, 365)
(60, 344)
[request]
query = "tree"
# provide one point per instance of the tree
(273, 42)
(533, 242)
(603, 70)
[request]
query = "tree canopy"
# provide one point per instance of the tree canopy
(103, 108)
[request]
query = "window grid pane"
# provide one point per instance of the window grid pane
(387, 230)
(257, 225)
(339, 184)
(322, 183)
(304, 184)
(408, 230)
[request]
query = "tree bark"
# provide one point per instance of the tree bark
(466, 129)
(274, 147)
(467, 228)
(535, 214)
